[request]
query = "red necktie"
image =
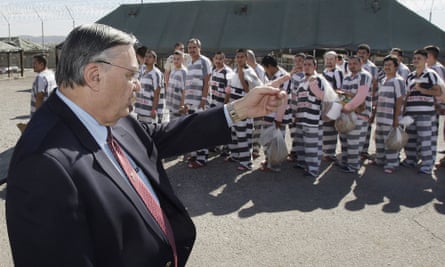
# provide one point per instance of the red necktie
(152, 205)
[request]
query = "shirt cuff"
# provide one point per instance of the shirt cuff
(228, 119)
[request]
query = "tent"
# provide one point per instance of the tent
(276, 25)
(6, 50)
(26, 45)
(29, 48)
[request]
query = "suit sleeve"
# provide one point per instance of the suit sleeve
(45, 219)
(190, 133)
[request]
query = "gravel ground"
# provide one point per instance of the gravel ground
(283, 219)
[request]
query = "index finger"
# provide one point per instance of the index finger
(279, 81)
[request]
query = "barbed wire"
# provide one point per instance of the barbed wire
(49, 10)
(25, 10)
(28, 11)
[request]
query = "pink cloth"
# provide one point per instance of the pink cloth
(313, 85)
(358, 99)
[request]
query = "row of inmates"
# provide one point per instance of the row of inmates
(192, 84)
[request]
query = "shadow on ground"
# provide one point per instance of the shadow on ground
(22, 117)
(227, 190)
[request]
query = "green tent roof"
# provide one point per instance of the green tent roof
(7, 48)
(26, 45)
(266, 25)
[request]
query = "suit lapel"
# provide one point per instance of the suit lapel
(136, 149)
(127, 189)
(86, 140)
(148, 163)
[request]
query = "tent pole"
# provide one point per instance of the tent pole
(21, 63)
(9, 65)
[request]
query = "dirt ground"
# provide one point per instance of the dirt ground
(284, 219)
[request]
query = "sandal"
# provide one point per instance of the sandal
(388, 170)
(243, 168)
(264, 168)
(440, 164)
(372, 162)
(195, 164)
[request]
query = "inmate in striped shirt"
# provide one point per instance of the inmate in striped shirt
(439, 69)
(308, 106)
(403, 70)
(175, 89)
(45, 83)
(334, 77)
(150, 81)
(236, 88)
(218, 83)
(416, 102)
(372, 69)
(194, 83)
(389, 91)
(295, 79)
(287, 118)
(351, 83)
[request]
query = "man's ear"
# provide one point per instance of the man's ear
(91, 75)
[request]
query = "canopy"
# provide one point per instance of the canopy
(267, 25)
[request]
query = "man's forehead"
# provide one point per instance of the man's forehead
(126, 54)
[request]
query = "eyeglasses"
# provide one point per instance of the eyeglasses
(134, 74)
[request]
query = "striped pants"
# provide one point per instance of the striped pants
(387, 158)
(240, 146)
(422, 141)
(293, 133)
(309, 142)
(330, 135)
(352, 144)
(367, 139)
(257, 124)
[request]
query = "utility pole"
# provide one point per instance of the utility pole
(431, 9)
(9, 26)
(43, 35)
(71, 15)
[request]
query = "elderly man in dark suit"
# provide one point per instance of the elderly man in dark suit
(86, 186)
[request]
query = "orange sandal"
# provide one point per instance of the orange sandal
(388, 170)
(195, 164)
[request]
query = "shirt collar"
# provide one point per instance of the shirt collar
(99, 132)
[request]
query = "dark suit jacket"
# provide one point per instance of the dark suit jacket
(67, 205)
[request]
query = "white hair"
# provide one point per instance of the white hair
(330, 53)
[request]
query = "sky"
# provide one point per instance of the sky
(26, 17)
